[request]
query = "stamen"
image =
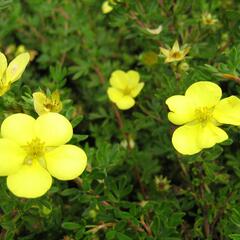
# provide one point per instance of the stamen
(176, 55)
(204, 114)
(35, 150)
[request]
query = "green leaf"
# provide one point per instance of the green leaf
(71, 225)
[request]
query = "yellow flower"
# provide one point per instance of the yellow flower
(174, 54)
(12, 72)
(31, 151)
(125, 86)
(44, 104)
(208, 19)
(106, 7)
(201, 112)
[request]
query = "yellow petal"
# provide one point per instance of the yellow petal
(30, 181)
(3, 64)
(56, 102)
(175, 47)
(135, 91)
(106, 7)
(119, 79)
(185, 51)
(53, 129)
(11, 157)
(19, 128)
(184, 139)
(165, 51)
(133, 79)
(16, 67)
(172, 59)
(228, 111)
(125, 103)
(114, 94)
(204, 94)
(192, 138)
(38, 100)
(66, 162)
(182, 109)
(210, 134)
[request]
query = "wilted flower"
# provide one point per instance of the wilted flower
(125, 86)
(155, 31)
(128, 143)
(201, 112)
(149, 58)
(162, 183)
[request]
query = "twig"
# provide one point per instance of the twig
(231, 77)
(95, 229)
(99, 74)
(146, 227)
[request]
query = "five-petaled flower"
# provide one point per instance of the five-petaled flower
(12, 72)
(174, 54)
(31, 151)
(44, 104)
(201, 112)
(125, 86)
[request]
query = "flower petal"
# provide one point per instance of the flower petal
(38, 100)
(31, 181)
(133, 79)
(165, 52)
(11, 157)
(16, 67)
(227, 111)
(137, 89)
(53, 129)
(204, 93)
(125, 103)
(210, 134)
(18, 127)
(106, 7)
(3, 64)
(185, 51)
(175, 46)
(191, 139)
(119, 79)
(66, 162)
(114, 94)
(184, 139)
(182, 109)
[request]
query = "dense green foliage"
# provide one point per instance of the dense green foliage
(144, 190)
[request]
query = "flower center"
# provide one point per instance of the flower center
(35, 150)
(204, 114)
(48, 106)
(52, 104)
(126, 91)
(176, 55)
